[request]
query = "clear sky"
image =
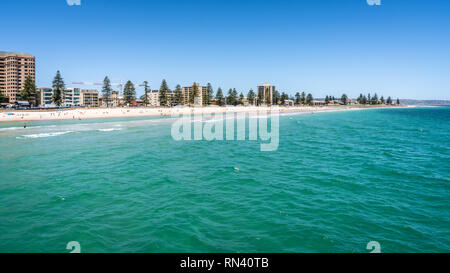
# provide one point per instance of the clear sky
(401, 48)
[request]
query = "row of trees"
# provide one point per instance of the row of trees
(29, 93)
(373, 100)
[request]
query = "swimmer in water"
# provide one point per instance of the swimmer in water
(24, 125)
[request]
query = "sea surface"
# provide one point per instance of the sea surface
(336, 182)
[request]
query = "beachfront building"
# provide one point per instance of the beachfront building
(89, 98)
(265, 93)
(72, 97)
(15, 67)
(198, 101)
(153, 98)
(44, 96)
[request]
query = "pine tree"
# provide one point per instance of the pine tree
(163, 90)
(344, 99)
(382, 100)
(360, 99)
(229, 99)
(107, 91)
(398, 101)
(284, 97)
(297, 98)
(251, 97)
(209, 94)
(178, 95)
(219, 97)
(234, 97)
(194, 93)
(389, 101)
(129, 92)
(145, 100)
(303, 98)
(364, 100)
(28, 93)
(241, 99)
(58, 89)
(309, 99)
(374, 99)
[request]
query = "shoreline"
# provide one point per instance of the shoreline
(129, 112)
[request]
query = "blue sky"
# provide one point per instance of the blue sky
(401, 48)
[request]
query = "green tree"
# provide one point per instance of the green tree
(327, 99)
(163, 91)
(194, 93)
(178, 95)
(374, 99)
(235, 97)
(360, 99)
(344, 99)
(284, 97)
(129, 92)
(58, 89)
(389, 101)
(251, 97)
(382, 100)
(209, 94)
(2, 96)
(241, 99)
(309, 99)
(364, 100)
(144, 98)
(297, 98)
(28, 93)
(398, 101)
(106, 91)
(303, 98)
(219, 97)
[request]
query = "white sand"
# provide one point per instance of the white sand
(76, 114)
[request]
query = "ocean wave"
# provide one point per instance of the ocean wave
(109, 129)
(45, 134)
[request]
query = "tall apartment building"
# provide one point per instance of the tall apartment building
(15, 67)
(89, 98)
(202, 92)
(265, 93)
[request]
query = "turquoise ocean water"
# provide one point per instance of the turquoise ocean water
(337, 181)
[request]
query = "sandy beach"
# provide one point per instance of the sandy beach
(93, 113)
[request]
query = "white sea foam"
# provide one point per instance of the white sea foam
(46, 134)
(109, 129)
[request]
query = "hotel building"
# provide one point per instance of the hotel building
(15, 67)
(265, 93)
(198, 101)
